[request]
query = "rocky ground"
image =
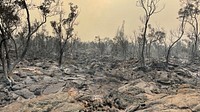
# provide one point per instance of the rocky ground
(101, 84)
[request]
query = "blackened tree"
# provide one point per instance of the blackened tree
(191, 12)
(10, 18)
(68, 25)
(150, 8)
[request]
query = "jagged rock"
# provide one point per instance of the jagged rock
(29, 80)
(45, 103)
(79, 82)
(90, 71)
(36, 89)
(36, 78)
(3, 95)
(25, 93)
(162, 75)
(32, 88)
(164, 82)
(163, 78)
(39, 64)
(53, 88)
(196, 108)
(14, 96)
(20, 74)
(102, 84)
(159, 65)
(18, 86)
(126, 98)
(85, 98)
(141, 85)
(148, 87)
(48, 79)
(69, 107)
(139, 74)
(17, 78)
(120, 104)
(182, 101)
(68, 71)
(4, 99)
(183, 72)
(132, 108)
(53, 70)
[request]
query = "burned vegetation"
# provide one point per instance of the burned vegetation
(150, 71)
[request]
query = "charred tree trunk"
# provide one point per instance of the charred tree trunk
(5, 58)
(144, 43)
(182, 28)
(195, 53)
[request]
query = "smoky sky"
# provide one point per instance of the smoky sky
(103, 17)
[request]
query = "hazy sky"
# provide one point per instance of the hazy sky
(103, 17)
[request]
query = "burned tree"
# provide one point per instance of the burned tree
(9, 21)
(100, 45)
(191, 12)
(150, 8)
(121, 41)
(181, 30)
(154, 35)
(68, 25)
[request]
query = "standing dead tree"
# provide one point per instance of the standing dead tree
(150, 8)
(154, 35)
(68, 25)
(121, 41)
(100, 45)
(9, 20)
(191, 12)
(180, 34)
